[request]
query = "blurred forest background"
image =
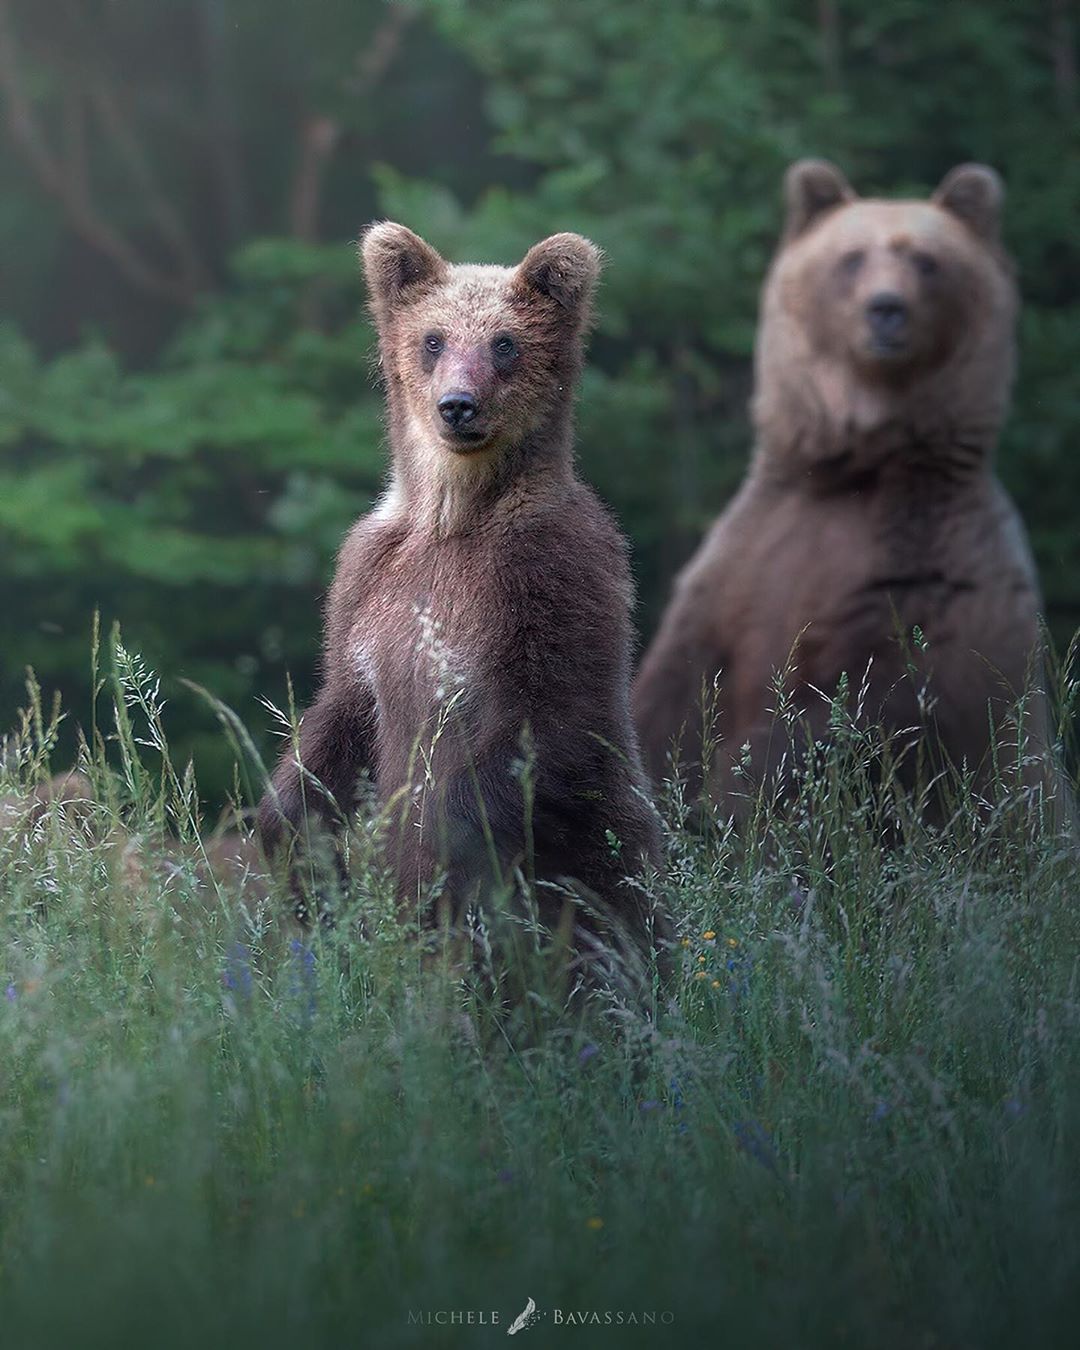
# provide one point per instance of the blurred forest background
(188, 415)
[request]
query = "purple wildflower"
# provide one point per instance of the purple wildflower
(754, 1140)
(738, 966)
(302, 983)
(237, 975)
(586, 1053)
(677, 1104)
(11, 993)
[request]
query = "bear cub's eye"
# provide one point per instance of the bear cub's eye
(924, 264)
(504, 347)
(851, 262)
(433, 343)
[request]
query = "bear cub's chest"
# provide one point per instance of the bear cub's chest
(426, 634)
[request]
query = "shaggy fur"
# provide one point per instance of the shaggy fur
(480, 615)
(871, 509)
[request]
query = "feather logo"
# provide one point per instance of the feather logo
(524, 1319)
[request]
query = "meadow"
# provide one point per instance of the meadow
(851, 1119)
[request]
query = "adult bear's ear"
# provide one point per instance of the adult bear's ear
(976, 194)
(396, 262)
(812, 187)
(564, 267)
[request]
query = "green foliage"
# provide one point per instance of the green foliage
(202, 501)
(197, 489)
(852, 1123)
(664, 133)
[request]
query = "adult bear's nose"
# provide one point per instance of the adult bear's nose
(888, 313)
(457, 409)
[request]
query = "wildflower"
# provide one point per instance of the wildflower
(733, 942)
(686, 942)
(595, 1223)
(753, 1139)
(709, 936)
(701, 975)
(11, 993)
(586, 1053)
(677, 1105)
(149, 1180)
(302, 981)
(701, 958)
(237, 973)
(649, 1106)
(716, 984)
(738, 966)
(881, 1110)
(505, 1175)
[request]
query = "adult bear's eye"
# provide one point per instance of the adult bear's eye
(504, 347)
(851, 261)
(433, 343)
(924, 264)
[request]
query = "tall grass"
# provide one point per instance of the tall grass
(854, 1120)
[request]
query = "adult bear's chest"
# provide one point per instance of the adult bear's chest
(899, 579)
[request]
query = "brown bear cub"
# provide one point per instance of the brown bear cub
(870, 538)
(478, 637)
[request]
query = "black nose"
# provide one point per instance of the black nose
(887, 312)
(457, 409)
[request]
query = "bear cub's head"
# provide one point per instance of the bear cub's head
(477, 358)
(892, 288)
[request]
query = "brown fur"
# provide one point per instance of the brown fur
(488, 595)
(229, 858)
(871, 507)
(71, 792)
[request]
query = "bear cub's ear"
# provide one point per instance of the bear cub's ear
(396, 261)
(976, 194)
(811, 187)
(565, 267)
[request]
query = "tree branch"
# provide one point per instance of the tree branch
(321, 135)
(223, 135)
(1063, 56)
(195, 275)
(829, 32)
(54, 177)
(372, 64)
(318, 138)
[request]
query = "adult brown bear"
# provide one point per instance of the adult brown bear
(477, 647)
(870, 538)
